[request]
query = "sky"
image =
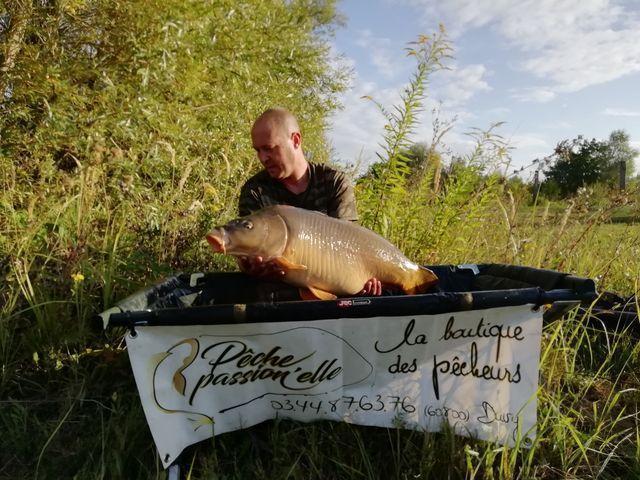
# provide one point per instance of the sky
(550, 69)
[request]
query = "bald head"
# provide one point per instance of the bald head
(279, 120)
(277, 141)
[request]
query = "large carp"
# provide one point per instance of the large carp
(326, 255)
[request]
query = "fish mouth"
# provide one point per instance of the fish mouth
(217, 241)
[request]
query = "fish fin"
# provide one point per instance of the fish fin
(288, 264)
(421, 283)
(311, 293)
(179, 383)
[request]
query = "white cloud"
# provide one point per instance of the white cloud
(460, 14)
(461, 83)
(636, 145)
(572, 44)
(462, 115)
(387, 62)
(526, 147)
(533, 94)
(459, 143)
(558, 124)
(357, 129)
(620, 112)
(341, 63)
(528, 141)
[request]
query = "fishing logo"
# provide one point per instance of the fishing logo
(237, 370)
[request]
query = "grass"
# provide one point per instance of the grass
(70, 408)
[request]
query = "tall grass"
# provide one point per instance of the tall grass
(68, 403)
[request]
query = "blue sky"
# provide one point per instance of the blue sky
(550, 69)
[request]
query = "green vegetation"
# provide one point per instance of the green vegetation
(580, 163)
(124, 136)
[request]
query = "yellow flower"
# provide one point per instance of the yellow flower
(77, 277)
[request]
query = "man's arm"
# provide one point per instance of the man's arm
(342, 201)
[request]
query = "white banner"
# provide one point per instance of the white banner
(475, 370)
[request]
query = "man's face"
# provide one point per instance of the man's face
(275, 149)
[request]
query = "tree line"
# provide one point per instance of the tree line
(574, 163)
(581, 162)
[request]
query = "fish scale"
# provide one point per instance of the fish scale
(320, 235)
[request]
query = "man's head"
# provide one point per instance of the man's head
(277, 140)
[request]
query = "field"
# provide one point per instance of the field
(113, 167)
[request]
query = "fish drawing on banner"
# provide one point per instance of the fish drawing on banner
(230, 363)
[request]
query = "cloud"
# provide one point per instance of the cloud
(528, 141)
(357, 129)
(533, 94)
(341, 63)
(387, 62)
(459, 84)
(620, 112)
(572, 44)
(459, 143)
(636, 145)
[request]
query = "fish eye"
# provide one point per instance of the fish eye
(247, 224)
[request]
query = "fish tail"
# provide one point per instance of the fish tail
(422, 282)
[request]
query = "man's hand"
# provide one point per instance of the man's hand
(258, 267)
(373, 288)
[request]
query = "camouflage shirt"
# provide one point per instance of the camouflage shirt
(329, 192)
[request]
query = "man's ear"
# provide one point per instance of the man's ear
(296, 138)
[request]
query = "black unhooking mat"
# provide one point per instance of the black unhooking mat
(228, 297)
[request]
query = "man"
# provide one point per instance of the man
(289, 179)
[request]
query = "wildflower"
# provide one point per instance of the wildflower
(77, 277)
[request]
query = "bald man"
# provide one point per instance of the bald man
(288, 179)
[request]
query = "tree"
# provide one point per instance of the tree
(579, 162)
(417, 158)
(13, 25)
(111, 106)
(620, 150)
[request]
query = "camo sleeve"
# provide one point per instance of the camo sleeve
(342, 200)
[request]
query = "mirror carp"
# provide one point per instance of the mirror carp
(328, 256)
